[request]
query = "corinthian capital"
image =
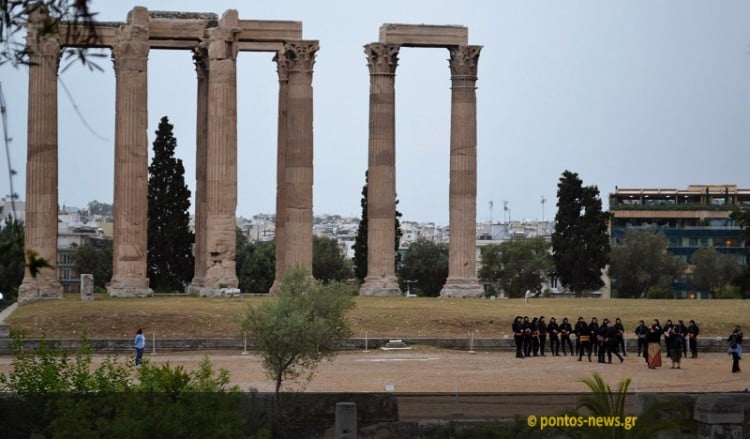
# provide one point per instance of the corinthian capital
(300, 55)
(130, 50)
(463, 60)
(382, 58)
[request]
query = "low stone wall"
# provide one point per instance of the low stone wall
(197, 344)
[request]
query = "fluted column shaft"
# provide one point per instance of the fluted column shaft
(382, 60)
(201, 133)
(41, 164)
(280, 233)
(130, 244)
(298, 174)
(221, 155)
(462, 278)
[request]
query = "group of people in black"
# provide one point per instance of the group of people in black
(677, 338)
(602, 340)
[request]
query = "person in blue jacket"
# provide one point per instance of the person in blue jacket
(140, 345)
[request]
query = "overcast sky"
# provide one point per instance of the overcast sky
(629, 94)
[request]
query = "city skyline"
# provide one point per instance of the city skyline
(628, 95)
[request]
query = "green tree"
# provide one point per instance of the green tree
(170, 241)
(713, 270)
(256, 265)
(360, 242)
(517, 265)
(304, 324)
(642, 265)
(742, 219)
(580, 242)
(329, 264)
(11, 257)
(426, 263)
(95, 257)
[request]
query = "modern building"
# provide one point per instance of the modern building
(691, 218)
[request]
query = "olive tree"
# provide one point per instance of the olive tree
(304, 324)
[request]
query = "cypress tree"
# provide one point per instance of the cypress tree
(360, 243)
(170, 259)
(580, 243)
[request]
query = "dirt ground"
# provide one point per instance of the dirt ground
(426, 369)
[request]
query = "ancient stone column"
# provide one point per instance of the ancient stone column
(130, 245)
(382, 60)
(280, 234)
(40, 233)
(298, 173)
(200, 56)
(221, 155)
(462, 277)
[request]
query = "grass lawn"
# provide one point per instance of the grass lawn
(386, 317)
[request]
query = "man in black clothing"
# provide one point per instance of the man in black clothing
(620, 336)
(526, 326)
(584, 335)
(693, 332)
(553, 330)
(640, 331)
(667, 331)
(518, 336)
(594, 330)
(613, 342)
(534, 336)
(565, 331)
(601, 340)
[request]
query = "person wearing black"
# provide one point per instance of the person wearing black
(526, 326)
(553, 330)
(693, 332)
(620, 336)
(577, 330)
(584, 335)
(541, 326)
(601, 341)
(594, 330)
(565, 331)
(735, 348)
(667, 331)
(534, 336)
(518, 335)
(613, 342)
(683, 332)
(640, 331)
(677, 343)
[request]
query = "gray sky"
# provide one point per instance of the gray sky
(633, 94)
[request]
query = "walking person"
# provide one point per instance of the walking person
(585, 339)
(620, 336)
(140, 345)
(684, 333)
(693, 332)
(735, 348)
(613, 343)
